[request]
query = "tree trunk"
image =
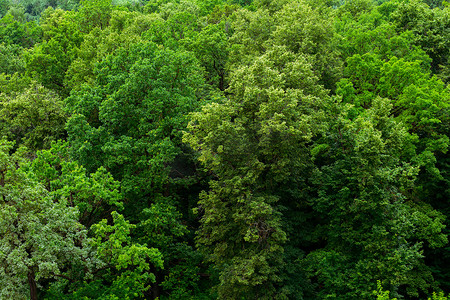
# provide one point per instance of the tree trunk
(155, 288)
(32, 283)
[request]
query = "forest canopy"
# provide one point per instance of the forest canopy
(224, 149)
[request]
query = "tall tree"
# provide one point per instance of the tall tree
(254, 143)
(39, 236)
(129, 121)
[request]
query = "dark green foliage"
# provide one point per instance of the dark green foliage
(134, 125)
(211, 48)
(33, 9)
(4, 7)
(130, 121)
(371, 228)
(430, 29)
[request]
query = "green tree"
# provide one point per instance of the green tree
(33, 118)
(14, 83)
(129, 121)
(125, 30)
(34, 8)
(254, 144)
(13, 30)
(127, 265)
(48, 61)
(370, 32)
(300, 26)
(94, 13)
(211, 48)
(430, 29)
(40, 236)
(121, 269)
(11, 60)
(95, 194)
(362, 192)
(384, 51)
(4, 7)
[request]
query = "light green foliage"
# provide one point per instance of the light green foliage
(354, 9)
(126, 29)
(49, 60)
(39, 236)
(381, 294)
(370, 33)
(131, 260)
(94, 194)
(307, 29)
(94, 13)
(297, 26)
(439, 296)
(33, 117)
(178, 21)
(254, 142)
(11, 59)
(222, 13)
(13, 83)
(420, 100)
(384, 295)
(251, 30)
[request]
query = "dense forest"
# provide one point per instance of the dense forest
(224, 149)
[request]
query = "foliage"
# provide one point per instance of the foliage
(113, 244)
(381, 294)
(4, 7)
(94, 194)
(211, 48)
(133, 125)
(11, 59)
(49, 60)
(33, 118)
(361, 194)
(40, 236)
(94, 14)
(430, 29)
(16, 31)
(255, 149)
(252, 143)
